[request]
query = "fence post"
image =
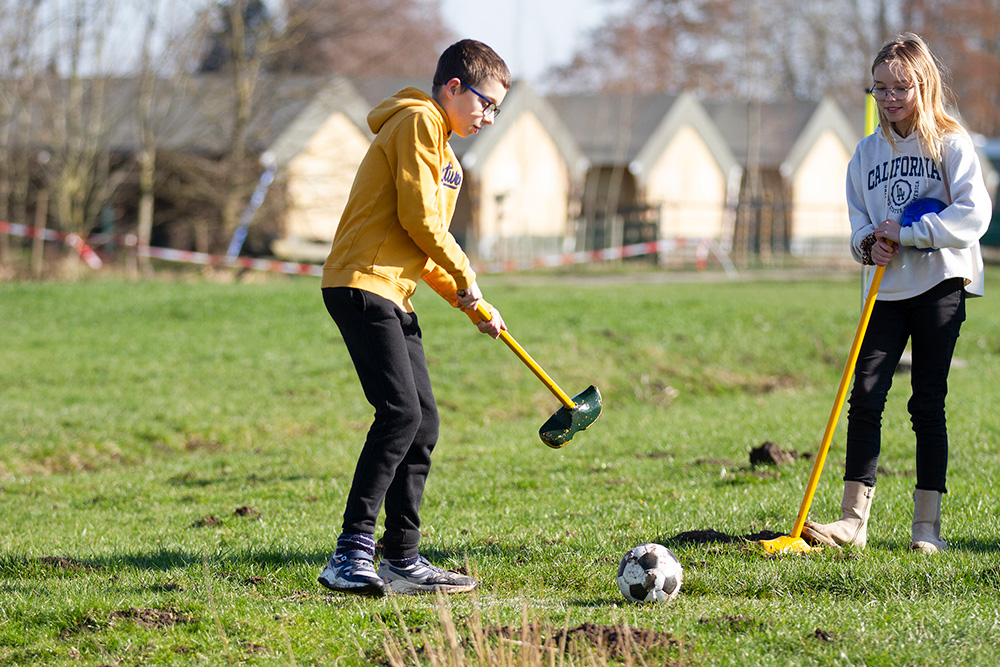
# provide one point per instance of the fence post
(38, 245)
(131, 256)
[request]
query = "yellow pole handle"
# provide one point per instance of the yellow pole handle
(831, 424)
(871, 114)
(529, 362)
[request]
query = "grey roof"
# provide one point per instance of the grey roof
(337, 95)
(611, 129)
(374, 89)
(827, 116)
(521, 99)
(203, 119)
(781, 124)
(635, 130)
(855, 113)
(196, 113)
(786, 128)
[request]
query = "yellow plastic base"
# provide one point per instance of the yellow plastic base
(786, 544)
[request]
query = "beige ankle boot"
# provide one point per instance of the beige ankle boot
(853, 525)
(927, 522)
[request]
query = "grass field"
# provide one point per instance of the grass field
(175, 455)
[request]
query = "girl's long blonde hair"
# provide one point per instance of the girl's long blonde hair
(909, 58)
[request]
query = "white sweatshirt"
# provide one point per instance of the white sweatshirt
(882, 181)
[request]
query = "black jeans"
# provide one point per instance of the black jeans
(385, 346)
(931, 321)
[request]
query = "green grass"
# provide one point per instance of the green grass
(174, 459)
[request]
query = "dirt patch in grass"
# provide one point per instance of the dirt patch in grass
(66, 564)
(736, 624)
(614, 640)
(885, 471)
(722, 379)
(210, 521)
(246, 511)
(151, 618)
(769, 453)
(763, 461)
(713, 462)
(81, 626)
(145, 618)
(254, 649)
(195, 443)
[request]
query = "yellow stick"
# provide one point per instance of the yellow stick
(838, 403)
(529, 362)
(794, 542)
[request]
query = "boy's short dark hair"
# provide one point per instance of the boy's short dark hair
(471, 62)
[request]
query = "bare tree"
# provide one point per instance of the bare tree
(660, 45)
(245, 63)
(242, 42)
(56, 112)
(387, 37)
(966, 38)
(801, 50)
(160, 76)
(147, 137)
(247, 39)
(18, 21)
(78, 119)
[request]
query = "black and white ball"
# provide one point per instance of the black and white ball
(650, 573)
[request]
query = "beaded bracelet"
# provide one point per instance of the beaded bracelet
(867, 243)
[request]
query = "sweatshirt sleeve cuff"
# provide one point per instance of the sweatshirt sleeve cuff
(906, 236)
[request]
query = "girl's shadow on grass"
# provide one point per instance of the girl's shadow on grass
(979, 546)
(166, 559)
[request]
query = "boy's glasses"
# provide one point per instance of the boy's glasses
(489, 107)
(882, 93)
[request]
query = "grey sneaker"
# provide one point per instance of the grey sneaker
(422, 577)
(352, 572)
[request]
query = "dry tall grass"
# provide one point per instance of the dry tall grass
(472, 642)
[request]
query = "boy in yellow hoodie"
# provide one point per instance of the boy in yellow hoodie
(394, 232)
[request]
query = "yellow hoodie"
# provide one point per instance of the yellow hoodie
(394, 230)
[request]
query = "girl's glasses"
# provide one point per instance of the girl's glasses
(882, 93)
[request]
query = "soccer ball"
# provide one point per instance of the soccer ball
(916, 210)
(650, 573)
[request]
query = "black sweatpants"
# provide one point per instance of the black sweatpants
(931, 321)
(385, 345)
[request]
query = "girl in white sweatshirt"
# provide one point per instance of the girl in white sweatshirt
(919, 151)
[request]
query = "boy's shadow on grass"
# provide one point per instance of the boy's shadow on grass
(167, 559)
(465, 559)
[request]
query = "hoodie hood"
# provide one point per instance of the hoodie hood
(407, 98)
(911, 138)
(394, 230)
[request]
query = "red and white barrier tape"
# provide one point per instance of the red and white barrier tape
(85, 251)
(701, 246)
(189, 257)
(31, 232)
(166, 254)
(590, 256)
